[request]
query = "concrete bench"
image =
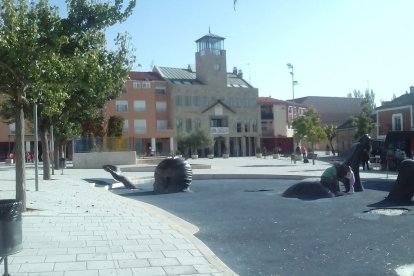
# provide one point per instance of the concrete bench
(9, 161)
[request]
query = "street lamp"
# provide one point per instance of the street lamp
(290, 66)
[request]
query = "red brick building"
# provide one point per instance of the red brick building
(396, 115)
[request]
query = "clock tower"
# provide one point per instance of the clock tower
(211, 60)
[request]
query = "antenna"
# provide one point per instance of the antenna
(250, 76)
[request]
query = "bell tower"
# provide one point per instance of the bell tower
(211, 60)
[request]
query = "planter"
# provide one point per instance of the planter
(194, 156)
(275, 156)
(327, 152)
(225, 155)
(259, 155)
(210, 156)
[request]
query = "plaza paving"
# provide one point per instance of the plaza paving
(75, 228)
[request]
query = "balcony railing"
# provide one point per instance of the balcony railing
(219, 130)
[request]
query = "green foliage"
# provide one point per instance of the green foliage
(364, 122)
(94, 126)
(196, 140)
(309, 127)
(62, 64)
(358, 94)
(115, 126)
(330, 131)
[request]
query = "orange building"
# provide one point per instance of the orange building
(145, 106)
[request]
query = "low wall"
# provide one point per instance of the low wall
(95, 160)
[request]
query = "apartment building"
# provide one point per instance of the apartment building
(145, 106)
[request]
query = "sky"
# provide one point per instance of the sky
(335, 46)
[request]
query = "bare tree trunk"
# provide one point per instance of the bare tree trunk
(20, 157)
(45, 153)
(57, 153)
(332, 148)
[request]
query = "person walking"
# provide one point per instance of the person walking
(304, 152)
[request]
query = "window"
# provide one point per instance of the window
(139, 106)
(205, 101)
(12, 128)
(160, 90)
(136, 84)
(140, 126)
(179, 100)
(188, 125)
(244, 102)
(397, 122)
(121, 106)
(179, 124)
(187, 100)
(161, 107)
(196, 100)
(197, 124)
(162, 124)
(125, 127)
(239, 126)
(124, 90)
(246, 126)
(254, 125)
(229, 101)
(145, 85)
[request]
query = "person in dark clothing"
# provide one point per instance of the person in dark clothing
(331, 177)
(365, 159)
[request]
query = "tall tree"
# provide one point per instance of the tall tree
(309, 127)
(26, 60)
(358, 94)
(364, 122)
(46, 59)
(330, 132)
(96, 74)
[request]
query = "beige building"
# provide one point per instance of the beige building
(276, 123)
(209, 97)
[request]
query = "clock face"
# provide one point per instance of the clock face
(216, 67)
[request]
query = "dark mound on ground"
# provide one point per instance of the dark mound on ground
(172, 175)
(403, 189)
(307, 190)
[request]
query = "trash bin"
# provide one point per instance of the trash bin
(62, 162)
(10, 227)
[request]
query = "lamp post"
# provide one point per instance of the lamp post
(36, 145)
(290, 66)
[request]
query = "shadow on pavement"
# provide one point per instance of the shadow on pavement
(144, 193)
(384, 186)
(101, 181)
(265, 166)
(386, 203)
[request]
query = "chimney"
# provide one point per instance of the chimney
(240, 74)
(411, 89)
(235, 70)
